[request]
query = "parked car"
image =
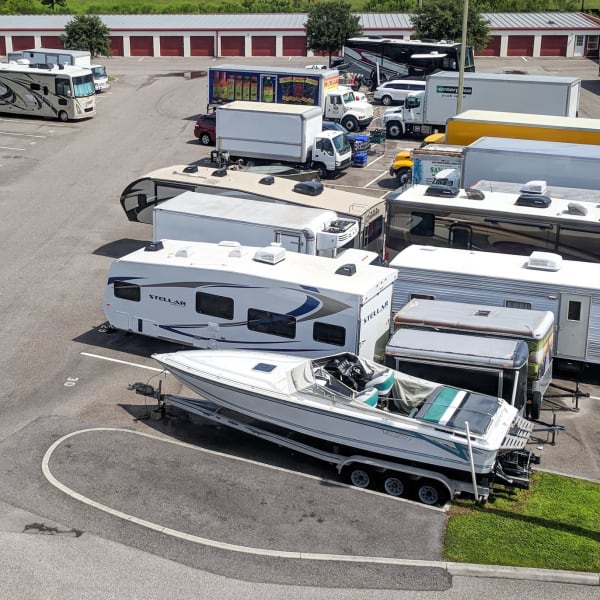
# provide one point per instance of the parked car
(395, 91)
(206, 128)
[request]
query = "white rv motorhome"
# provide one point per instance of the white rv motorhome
(541, 281)
(198, 217)
(231, 296)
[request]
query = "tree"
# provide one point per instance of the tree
(329, 25)
(87, 32)
(52, 4)
(442, 20)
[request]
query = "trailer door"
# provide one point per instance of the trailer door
(573, 323)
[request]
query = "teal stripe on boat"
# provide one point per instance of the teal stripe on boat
(440, 404)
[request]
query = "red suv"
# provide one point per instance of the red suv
(205, 129)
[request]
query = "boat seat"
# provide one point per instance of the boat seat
(368, 396)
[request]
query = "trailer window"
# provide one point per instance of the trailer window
(517, 304)
(374, 231)
(214, 305)
(272, 323)
(329, 334)
(422, 224)
(574, 310)
(127, 291)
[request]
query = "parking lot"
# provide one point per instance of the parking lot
(193, 492)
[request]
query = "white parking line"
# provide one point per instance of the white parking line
(11, 148)
(37, 135)
(122, 362)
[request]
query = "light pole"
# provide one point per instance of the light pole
(461, 67)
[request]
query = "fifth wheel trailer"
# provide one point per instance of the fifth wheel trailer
(541, 281)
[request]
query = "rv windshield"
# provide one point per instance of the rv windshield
(99, 71)
(84, 86)
(341, 143)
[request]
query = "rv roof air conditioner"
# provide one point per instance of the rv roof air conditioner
(445, 184)
(536, 186)
(575, 208)
(544, 261)
(270, 255)
(309, 188)
(154, 247)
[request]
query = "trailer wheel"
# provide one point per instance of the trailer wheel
(533, 409)
(360, 477)
(63, 116)
(250, 163)
(393, 485)
(394, 130)
(430, 492)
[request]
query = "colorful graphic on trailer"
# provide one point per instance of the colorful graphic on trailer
(283, 88)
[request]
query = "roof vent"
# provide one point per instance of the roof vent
(186, 252)
(309, 188)
(544, 261)
(474, 194)
(537, 186)
(220, 172)
(268, 180)
(270, 255)
(229, 243)
(348, 270)
(191, 169)
(154, 247)
(533, 200)
(575, 208)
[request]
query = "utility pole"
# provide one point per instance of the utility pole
(461, 67)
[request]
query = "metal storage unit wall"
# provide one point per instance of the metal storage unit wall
(554, 45)
(141, 45)
(202, 45)
(116, 45)
(294, 45)
(233, 45)
(22, 42)
(520, 45)
(51, 41)
(493, 47)
(171, 45)
(263, 45)
(2, 46)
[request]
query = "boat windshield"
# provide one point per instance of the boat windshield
(303, 376)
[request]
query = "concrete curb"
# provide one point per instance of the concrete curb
(524, 573)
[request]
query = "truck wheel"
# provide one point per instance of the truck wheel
(386, 100)
(533, 409)
(350, 123)
(394, 130)
(63, 116)
(393, 485)
(250, 163)
(404, 176)
(204, 139)
(360, 477)
(430, 492)
(322, 172)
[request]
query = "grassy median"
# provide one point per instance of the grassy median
(553, 525)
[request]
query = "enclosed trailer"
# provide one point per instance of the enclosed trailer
(541, 281)
(201, 217)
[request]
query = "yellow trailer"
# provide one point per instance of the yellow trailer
(471, 125)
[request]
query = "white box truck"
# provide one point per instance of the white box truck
(426, 112)
(288, 85)
(259, 132)
(199, 217)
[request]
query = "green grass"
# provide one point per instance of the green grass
(553, 525)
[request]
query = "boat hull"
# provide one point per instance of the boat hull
(377, 432)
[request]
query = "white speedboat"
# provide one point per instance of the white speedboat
(356, 404)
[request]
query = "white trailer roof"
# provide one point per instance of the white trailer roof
(523, 146)
(508, 77)
(299, 269)
(257, 212)
(475, 317)
(269, 107)
(501, 204)
(312, 73)
(509, 267)
(526, 119)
